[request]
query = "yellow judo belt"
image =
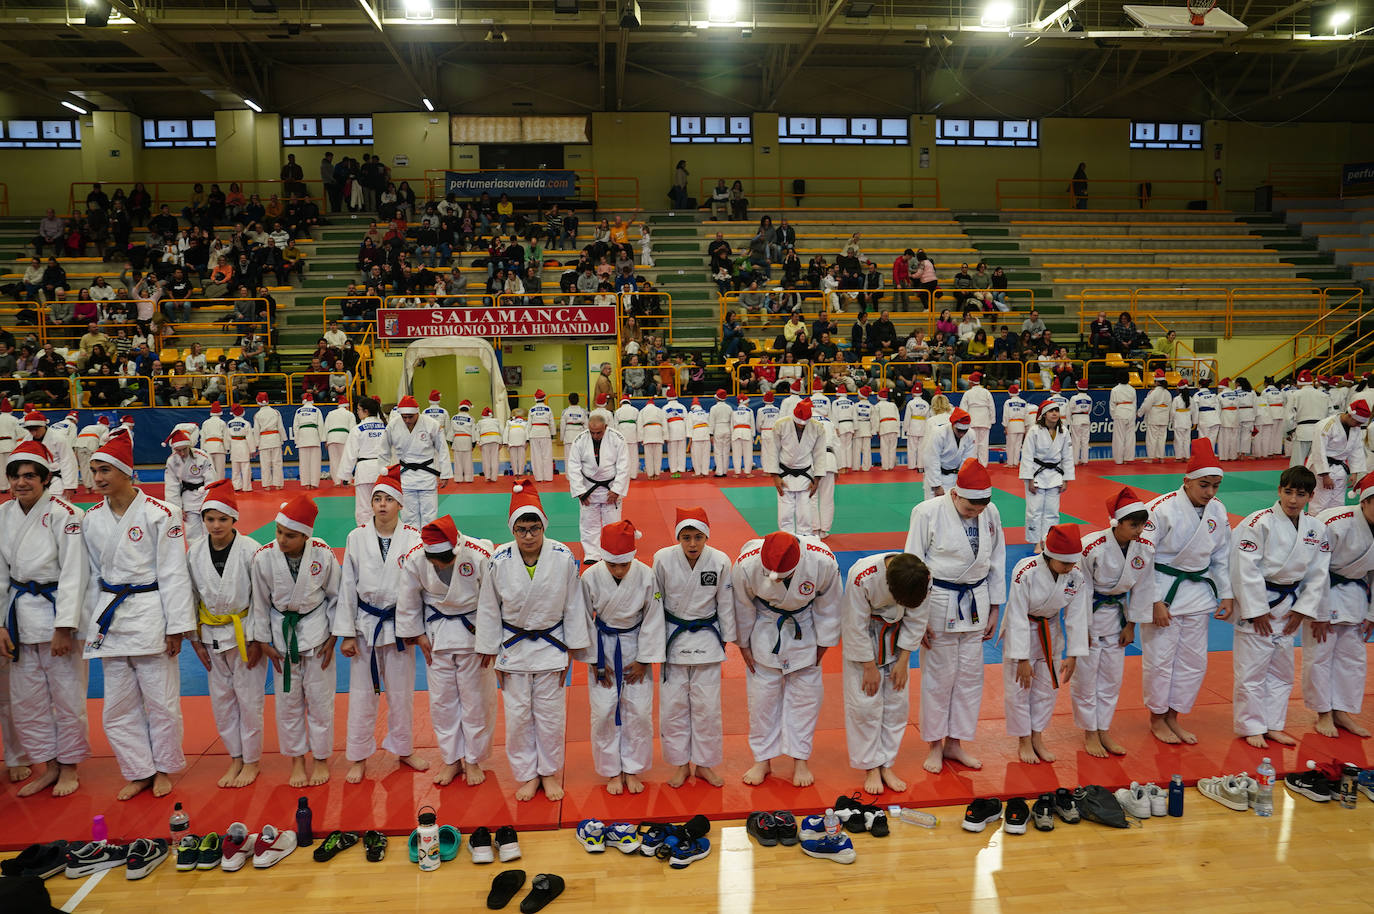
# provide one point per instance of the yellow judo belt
(236, 619)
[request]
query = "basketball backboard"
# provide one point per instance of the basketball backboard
(1178, 19)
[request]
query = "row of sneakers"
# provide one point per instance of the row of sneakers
(1018, 812)
(859, 817)
(138, 859)
(679, 845)
(779, 827)
(232, 852)
(485, 848)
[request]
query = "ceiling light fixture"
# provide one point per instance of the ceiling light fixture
(429, 105)
(77, 108)
(252, 104)
(722, 10)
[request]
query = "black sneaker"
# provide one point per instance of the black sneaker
(851, 814)
(763, 828)
(1310, 784)
(875, 817)
(697, 827)
(1042, 813)
(507, 844)
(479, 845)
(1065, 806)
(40, 860)
(787, 827)
(1017, 815)
(981, 812)
(94, 858)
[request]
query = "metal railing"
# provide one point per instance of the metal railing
(1317, 339)
(1104, 193)
(836, 192)
(1304, 179)
(1216, 309)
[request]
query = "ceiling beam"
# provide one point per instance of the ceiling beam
(406, 71)
(174, 47)
(805, 51)
(1310, 83)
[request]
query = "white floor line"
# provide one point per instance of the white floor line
(81, 893)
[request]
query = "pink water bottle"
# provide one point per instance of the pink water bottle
(99, 832)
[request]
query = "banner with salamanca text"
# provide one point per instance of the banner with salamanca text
(506, 321)
(544, 183)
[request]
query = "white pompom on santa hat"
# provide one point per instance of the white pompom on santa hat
(298, 514)
(1064, 542)
(525, 500)
(408, 406)
(973, 481)
(118, 452)
(1203, 461)
(262, 397)
(780, 554)
(618, 542)
(219, 496)
(1124, 503)
(440, 536)
(34, 419)
(35, 452)
(465, 405)
(695, 518)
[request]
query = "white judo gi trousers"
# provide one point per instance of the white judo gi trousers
(305, 715)
(462, 464)
(768, 452)
(269, 463)
(517, 459)
(1323, 498)
(397, 671)
(336, 450)
(142, 714)
(592, 515)
(1228, 443)
(1042, 511)
(1123, 441)
(783, 710)
(951, 686)
(242, 472)
(823, 505)
(83, 466)
(1211, 433)
(1029, 710)
(541, 459)
(1080, 437)
(14, 755)
(980, 438)
(861, 456)
(874, 725)
(1014, 440)
(309, 457)
(677, 456)
(794, 512)
(689, 721)
(1174, 662)
(653, 458)
(720, 451)
(1183, 445)
(1262, 666)
(491, 461)
(462, 706)
(743, 453)
(629, 746)
(536, 713)
(236, 699)
(1096, 683)
(1154, 441)
(1247, 440)
(887, 449)
(1333, 671)
(915, 447)
(216, 459)
(845, 455)
(418, 506)
(362, 502)
(701, 456)
(48, 704)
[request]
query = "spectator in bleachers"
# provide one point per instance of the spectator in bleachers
(884, 333)
(636, 378)
(1100, 337)
(97, 201)
(1033, 324)
(140, 203)
(292, 177)
(759, 258)
(739, 203)
(405, 201)
(901, 278)
(825, 349)
(720, 201)
(272, 211)
(120, 228)
(924, 275)
(254, 211)
(1125, 333)
(60, 308)
(1078, 186)
(969, 326)
(32, 280)
(50, 231)
(1004, 346)
(164, 223)
(678, 192)
(54, 277)
(791, 267)
(84, 309)
(862, 337)
(234, 201)
(963, 286)
(945, 323)
(101, 386)
(1166, 348)
(195, 205)
(7, 359)
(830, 289)
(873, 287)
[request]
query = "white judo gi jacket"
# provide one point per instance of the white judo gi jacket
(267, 428)
(596, 473)
(184, 479)
(1197, 548)
(799, 454)
(243, 440)
(43, 569)
(369, 585)
(1351, 573)
(1278, 567)
(223, 603)
(294, 615)
(307, 426)
(447, 613)
(572, 423)
(214, 436)
(1047, 461)
(698, 608)
(964, 586)
(652, 424)
(784, 622)
(874, 625)
(945, 454)
(627, 422)
(367, 453)
(338, 422)
(1034, 598)
(422, 453)
(1121, 581)
(531, 624)
(1334, 445)
(977, 402)
(620, 616)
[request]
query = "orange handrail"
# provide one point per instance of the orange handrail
(1103, 193)
(1227, 299)
(868, 191)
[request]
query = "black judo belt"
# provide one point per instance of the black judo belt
(594, 484)
(1043, 465)
(950, 471)
(1308, 421)
(191, 486)
(426, 467)
(1284, 591)
(121, 593)
(1338, 580)
(533, 634)
(804, 472)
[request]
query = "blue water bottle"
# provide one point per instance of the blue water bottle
(1176, 796)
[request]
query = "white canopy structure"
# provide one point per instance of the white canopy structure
(467, 351)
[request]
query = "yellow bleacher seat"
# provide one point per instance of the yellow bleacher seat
(1115, 360)
(1173, 378)
(234, 354)
(212, 355)
(168, 356)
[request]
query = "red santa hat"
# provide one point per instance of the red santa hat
(539, 395)
(1159, 376)
(298, 514)
(215, 408)
(959, 418)
(34, 452)
(1203, 461)
(389, 482)
(1347, 377)
(1064, 543)
(973, 481)
(104, 420)
(1055, 386)
(976, 377)
(601, 399)
(178, 438)
(33, 419)
(1050, 403)
(307, 397)
(72, 415)
(219, 496)
(696, 401)
(440, 536)
(408, 406)
(126, 419)
(618, 541)
(1359, 409)
(1225, 382)
(434, 396)
(1123, 503)
(720, 393)
(1366, 487)
(466, 404)
(237, 409)
(780, 554)
(525, 500)
(866, 391)
(669, 393)
(486, 411)
(262, 397)
(883, 393)
(118, 452)
(696, 519)
(1013, 388)
(1082, 383)
(5, 405)
(767, 396)
(801, 413)
(343, 400)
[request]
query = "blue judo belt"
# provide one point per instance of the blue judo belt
(1284, 591)
(603, 630)
(121, 593)
(34, 589)
(784, 616)
(465, 618)
(687, 626)
(383, 616)
(962, 591)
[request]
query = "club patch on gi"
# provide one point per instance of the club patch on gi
(175, 531)
(135, 534)
(70, 528)
(316, 568)
(1249, 546)
(806, 589)
(1137, 563)
(1211, 525)
(708, 579)
(465, 569)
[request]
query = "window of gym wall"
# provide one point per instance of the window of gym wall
(837, 130)
(1165, 135)
(338, 130)
(725, 129)
(984, 131)
(44, 133)
(178, 133)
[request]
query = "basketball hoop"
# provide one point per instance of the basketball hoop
(1198, 10)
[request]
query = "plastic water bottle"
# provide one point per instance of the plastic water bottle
(913, 816)
(1264, 799)
(99, 831)
(832, 824)
(428, 839)
(180, 825)
(305, 835)
(1176, 796)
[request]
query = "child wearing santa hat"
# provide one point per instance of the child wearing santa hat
(295, 590)
(489, 439)
(243, 443)
(949, 445)
(214, 438)
(530, 615)
(625, 606)
(366, 455)
(88, 440)
(268, 430)
(651, 426)
(307, 432)
(221, 566)
(187, 471)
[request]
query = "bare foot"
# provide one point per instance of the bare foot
(42, 782)
(134, 788)
(633, 784)
(298, 776)
(1326, 725)
(67, 781)
(756, 773)
(935, 759)
(1110, 744)
(356, 772)
(1281, 737)
(446, 773)
(1345, 721)
(416, 762)
(20, 773)
(801, 774)
(1162, 731)
(1092, 744)
(527, 790)
(247, 776)
(553, 788)
(709, 776)
(955, 752)
(1172, 720)
(891, 780)
(319, 774)
(473, 773)
(1257, 741)
(873, 782)
(615, 786)
(1038, 744)
(227, 779)
(679, 776)
(162, 784)
(1026, 752)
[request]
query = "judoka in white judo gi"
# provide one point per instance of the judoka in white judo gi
(948, 447)
(1338, 455)
(598, 469)
(800, 444)
(1047, 467)
(270, 435)
(420, 446)
(184, 479)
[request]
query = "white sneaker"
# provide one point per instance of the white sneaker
(1159, 799)
(273, 846)
(1250, 786)
(1133, 801)
(1227, 791)
(236, 848)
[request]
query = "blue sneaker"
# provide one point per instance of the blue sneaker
(838, 848)
(623, 836)
(651, 838)
(686, 851)
(591, 834)
(812, 828)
